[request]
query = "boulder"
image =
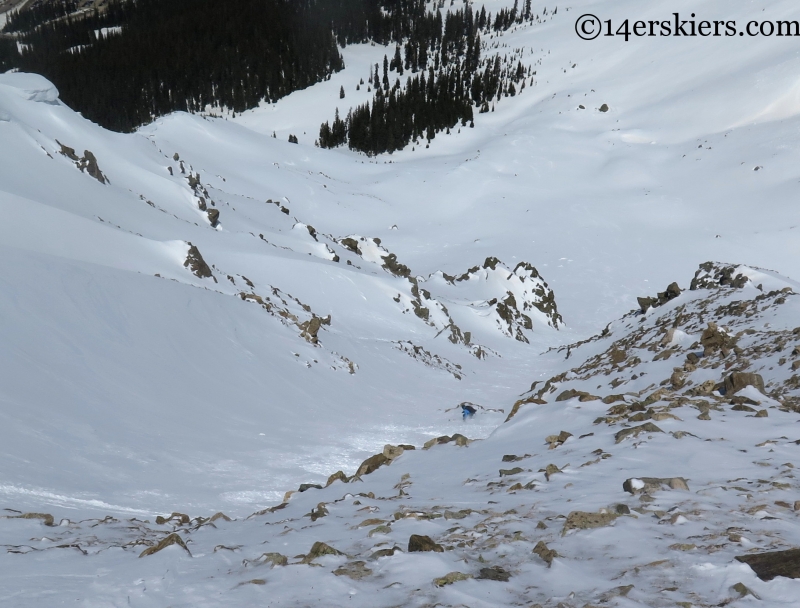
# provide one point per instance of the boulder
(354, 570)
(371, 464)
(647, 427)
(450, 578)
(309, 486)
(274, 559)
(460, 440)
(351, 244)
(572, 393)
(557, 440)
(646, 303)
(648, 485)
(180, 518)
(319, 549)
(773, 563)
(494, 573)
(543, 551)
(582, 520)
(309, 329)
(713, 340)
(436, 441)
(551, 470)
(392, 451)
(670, 293)
(738, 380)
(213, 217)
(419, 543)
(384, 553)
(338, 475)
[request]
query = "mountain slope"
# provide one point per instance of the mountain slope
(159, 356)
(174, 354)
(648, 504)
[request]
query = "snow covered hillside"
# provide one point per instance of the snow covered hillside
(198, 317)
(648, 472)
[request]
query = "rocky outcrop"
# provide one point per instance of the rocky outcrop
(213, 217)
(196, 263)
(670, 293)
(87, 164)
(712, 275)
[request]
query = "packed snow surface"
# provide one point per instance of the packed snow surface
(159, 357)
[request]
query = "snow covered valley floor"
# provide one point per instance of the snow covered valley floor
(198, 317)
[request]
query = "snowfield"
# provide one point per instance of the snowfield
(198, 318)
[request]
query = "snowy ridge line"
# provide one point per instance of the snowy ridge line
(684, 328)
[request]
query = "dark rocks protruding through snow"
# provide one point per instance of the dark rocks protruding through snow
(774, 563)
(419, 543)
(670, 293)
(738, 380)
(712, 275)
(196, 263)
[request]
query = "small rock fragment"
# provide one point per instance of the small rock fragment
(354, 570)
(450, 578)
(171, 539)
(46, 518)
(648, 485)
(742, 590)
(551, 470)
(557, 440)
(494, 573)
(319, 549)
(582, 520)
(647, 427)
(543, 551)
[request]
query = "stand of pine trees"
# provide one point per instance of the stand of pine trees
(178, 55)
(190, 55)
(451, 80)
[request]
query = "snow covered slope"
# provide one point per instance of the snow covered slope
(198, 317)
(641, 492)
(190, 339)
